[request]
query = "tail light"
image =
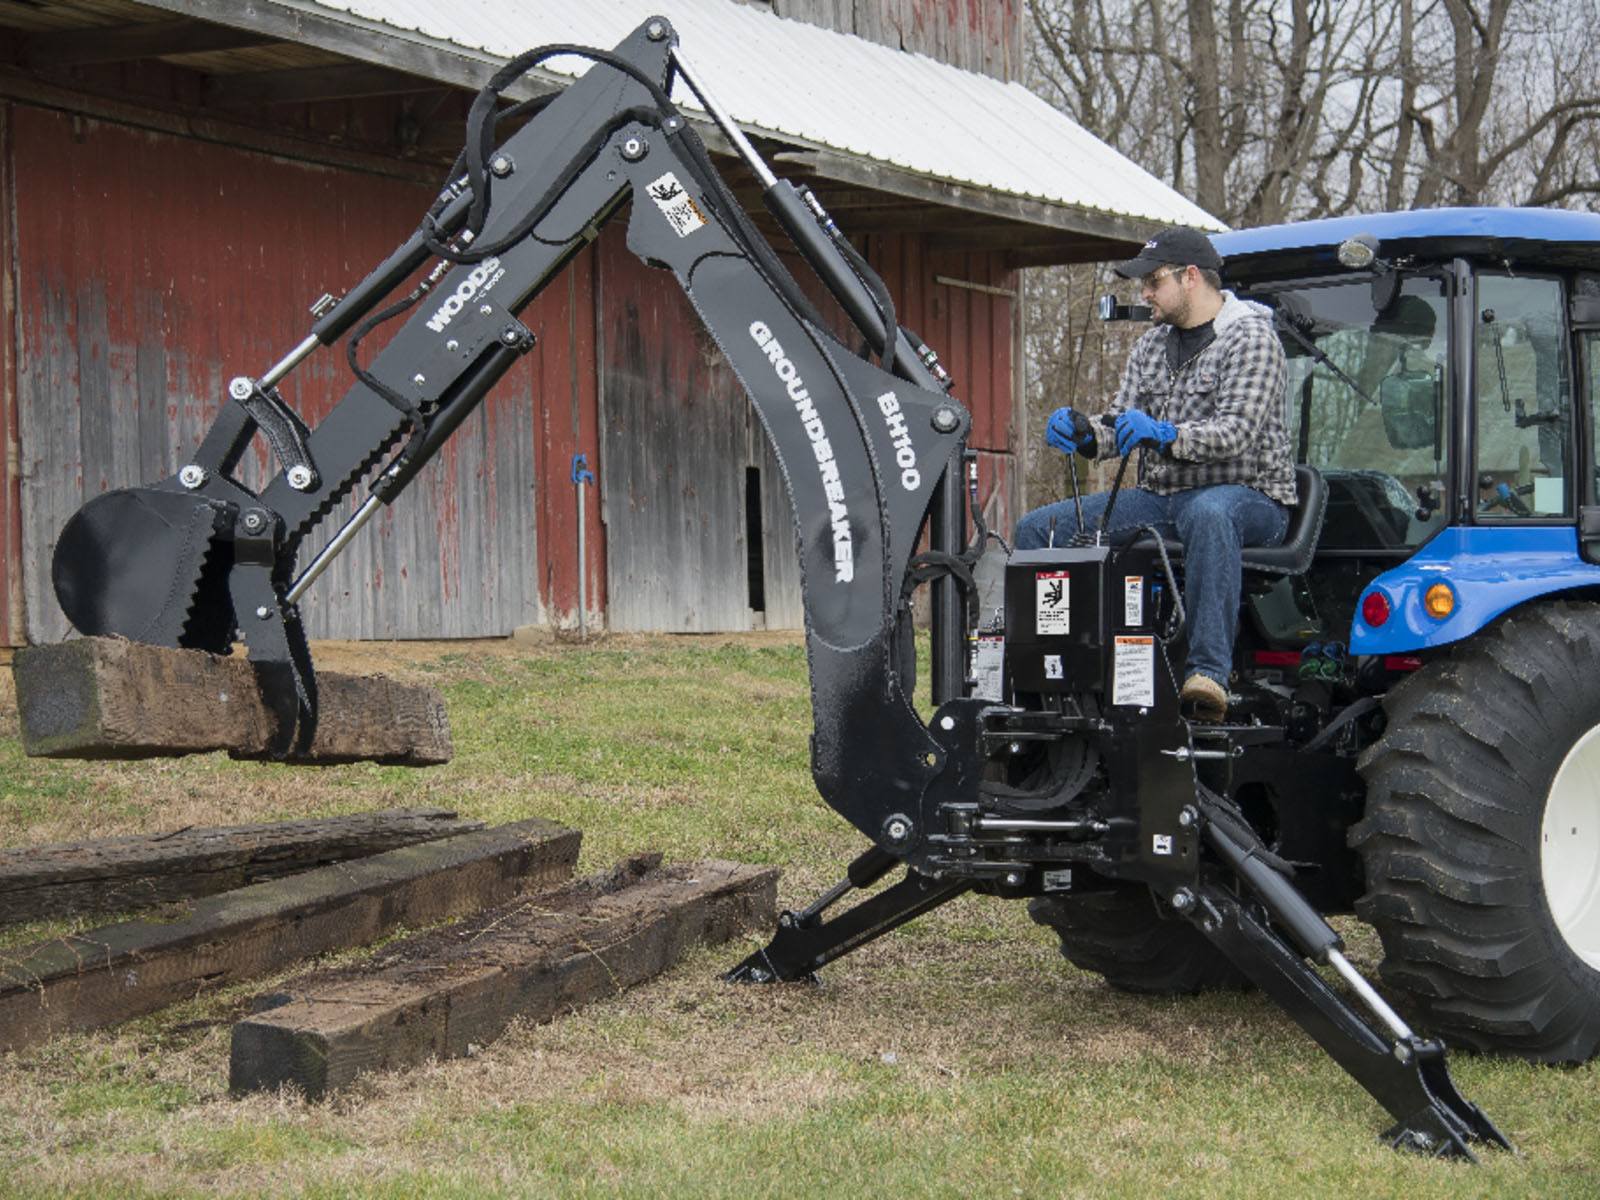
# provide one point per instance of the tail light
(1375, 608)
(1277, 658)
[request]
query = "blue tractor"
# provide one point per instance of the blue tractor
(1416, 698)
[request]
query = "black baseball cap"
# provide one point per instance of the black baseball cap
(1179, 246)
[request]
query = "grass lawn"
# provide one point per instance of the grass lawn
(960, 1056)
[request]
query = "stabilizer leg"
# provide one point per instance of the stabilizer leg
(1403, 1072)
(804, 942)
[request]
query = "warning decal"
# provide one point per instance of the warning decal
(1053, 606)
(988, 663)
(676, 205)
(1133, 600)
(1134, 676)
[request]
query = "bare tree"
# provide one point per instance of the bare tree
(1271, 110)
(1228, 101)
(1527, 102)
(1267, 110)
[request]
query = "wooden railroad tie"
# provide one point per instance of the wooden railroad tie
(444, 992)
(90, 980)
(119, 874)
(99, 697)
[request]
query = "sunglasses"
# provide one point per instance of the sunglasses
(1154, 280)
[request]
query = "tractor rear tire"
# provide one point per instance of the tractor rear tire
(1481, 838)
(1121, 935)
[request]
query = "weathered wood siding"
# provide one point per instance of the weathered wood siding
(11, 605)
(152, 268)
(974, 333)
(976, 35)
(679, 434)
(566, 401)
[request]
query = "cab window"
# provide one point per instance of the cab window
(1366, 405)
(1586, 293)
(1524, 400)
(1591, 364)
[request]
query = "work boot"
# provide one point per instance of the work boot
(1204, 697)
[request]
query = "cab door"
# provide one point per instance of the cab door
(1524, 468)
(1585, 313)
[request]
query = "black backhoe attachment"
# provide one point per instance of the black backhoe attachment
(873, 452)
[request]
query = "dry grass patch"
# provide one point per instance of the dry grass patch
(960, 1056)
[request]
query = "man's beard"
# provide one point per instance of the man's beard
(1175, 316)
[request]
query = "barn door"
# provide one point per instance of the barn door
(699, 536)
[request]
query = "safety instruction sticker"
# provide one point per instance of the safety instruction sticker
(1053, 607)
(682, 213)
(1052, 667)
(1133, 600)
(988, 660)
(1133, 679)
(1056, 881)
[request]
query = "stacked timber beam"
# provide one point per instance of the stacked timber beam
(529, 943)
(112, 875)
(438, 995)
(246, 901)
(90, 980)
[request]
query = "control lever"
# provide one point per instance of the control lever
(1524, 419)
(1109, 423)
(1427, 502)
(1077, 492)
(1503, 495)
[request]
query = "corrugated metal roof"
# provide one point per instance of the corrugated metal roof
(805, 84)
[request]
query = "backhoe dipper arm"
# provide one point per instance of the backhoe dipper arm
(863, 450)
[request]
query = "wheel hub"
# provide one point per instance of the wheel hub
(1569, 848)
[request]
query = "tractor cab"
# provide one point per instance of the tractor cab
(1442, 382)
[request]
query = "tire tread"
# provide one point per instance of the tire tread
(1120, 935)
(1450, 843)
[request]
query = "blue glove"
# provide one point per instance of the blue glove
(1070, 432)
(1134, 427)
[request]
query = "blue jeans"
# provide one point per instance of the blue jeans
(1213, 523)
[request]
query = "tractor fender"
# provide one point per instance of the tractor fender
(1491, 570)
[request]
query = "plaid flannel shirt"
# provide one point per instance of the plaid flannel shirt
(1228, 403)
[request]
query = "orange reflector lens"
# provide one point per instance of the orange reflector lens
(1439, 601)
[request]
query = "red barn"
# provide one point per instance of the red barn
(180, 180)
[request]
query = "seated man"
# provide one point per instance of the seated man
(1204, 389)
